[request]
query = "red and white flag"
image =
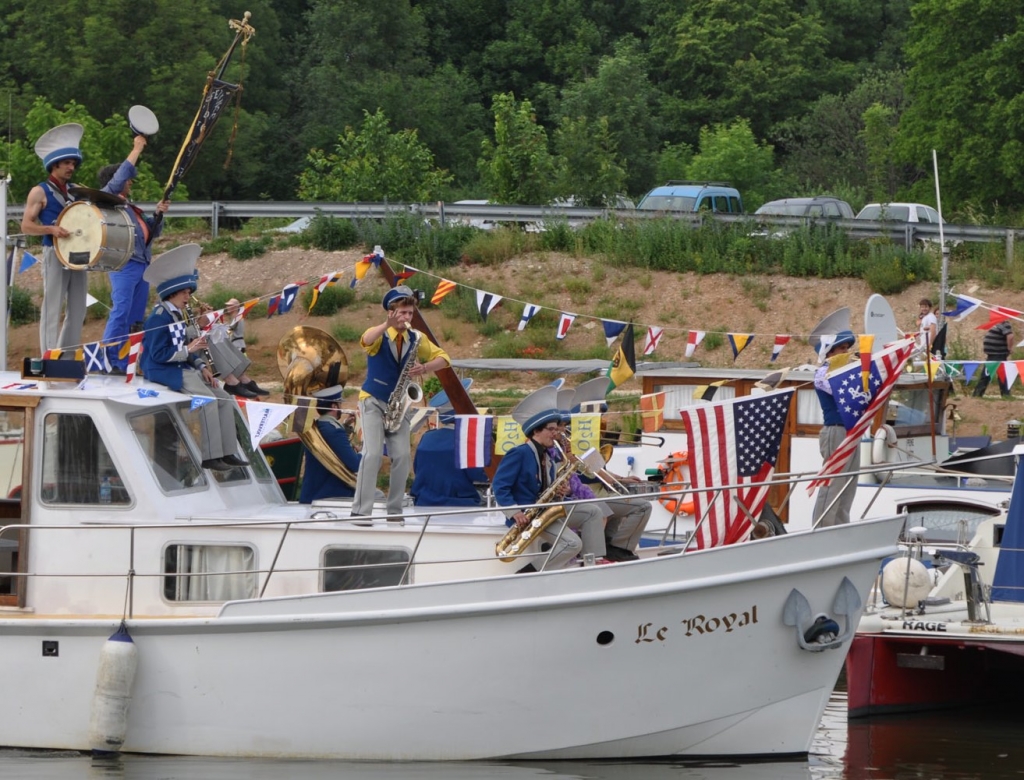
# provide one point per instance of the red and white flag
(780, 342)
(653, 337)
(885, 370)
(736, 443)
(564, 322)
(473, 440)
(694, 338)
(134, 350)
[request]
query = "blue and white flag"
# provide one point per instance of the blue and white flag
(485, 303)
(145, 392)
(288, 295)
(199, 401)
(95, 356)
(965, 305)
(528, 313)
(612, 330)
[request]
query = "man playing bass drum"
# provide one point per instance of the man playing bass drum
(389, 347)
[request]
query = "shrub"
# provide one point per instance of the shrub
(249, 248)
(21, 306)
(331, 234)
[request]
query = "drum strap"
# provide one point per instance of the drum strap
(142, 222)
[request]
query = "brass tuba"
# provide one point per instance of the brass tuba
(309, 360)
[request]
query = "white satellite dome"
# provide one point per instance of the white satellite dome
(905, 582)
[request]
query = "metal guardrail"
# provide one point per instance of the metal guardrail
(908, 234)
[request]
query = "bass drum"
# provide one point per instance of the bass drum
(102, 238)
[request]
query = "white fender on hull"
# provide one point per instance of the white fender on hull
(108, 723)
(885, 440)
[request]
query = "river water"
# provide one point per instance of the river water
(953, 745)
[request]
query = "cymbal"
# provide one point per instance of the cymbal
(99, 197)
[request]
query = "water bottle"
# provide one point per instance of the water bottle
(105, 491)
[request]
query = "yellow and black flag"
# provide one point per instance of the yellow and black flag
(707, 392)
(623, 365)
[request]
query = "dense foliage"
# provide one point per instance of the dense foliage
(532, 100)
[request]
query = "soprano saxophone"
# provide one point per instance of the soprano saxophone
(406, 392)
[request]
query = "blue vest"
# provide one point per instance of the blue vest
(55, 203)
(829, 410)
(382, 369)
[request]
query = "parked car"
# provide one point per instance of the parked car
(818, 206)
(899, 212)
(693, 196)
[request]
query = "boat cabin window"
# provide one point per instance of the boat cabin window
(209, 572)
(77, 467)
(355, 568)
(947, 521)
(908, 411)
(237, 474)
(166, 452)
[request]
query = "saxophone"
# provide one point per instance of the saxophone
(406, 392)
(518, 537)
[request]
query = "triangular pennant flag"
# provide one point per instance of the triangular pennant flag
(623, 365)
(969, 367)
(529, 310)
(272, 305)
(443, 288)
(739, 342)
(364, 265)
(565, 322)
(52, 354)
(965, 305)
(707, 392)
(406, 272)
(825, 344)
(612, 329)
(246, 307)
(134, 350)
(27, 261)
(866, 345)
(199, 401)
(654, 334)
(1020, 367)
(327, 280)
(90, 300)
(780, 342)
(693, 340)
(1011, 372)
(263, 418)
(998, 314)
(80, 355)
(485, 303)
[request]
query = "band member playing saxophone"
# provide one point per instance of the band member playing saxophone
(527, 474)
(172, 356)
(397, 355)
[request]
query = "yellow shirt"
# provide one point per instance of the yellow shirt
(426, 350)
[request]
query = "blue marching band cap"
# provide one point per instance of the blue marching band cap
(538, 409)
(60, 143)
(329, 394)
(174, 270)
(395, 293)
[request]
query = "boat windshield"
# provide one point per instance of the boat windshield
(168, 455)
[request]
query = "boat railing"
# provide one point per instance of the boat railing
(431, 517)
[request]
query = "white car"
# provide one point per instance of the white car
(899, 212)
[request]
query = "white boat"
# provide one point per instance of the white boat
(267, 629)
(956, 641)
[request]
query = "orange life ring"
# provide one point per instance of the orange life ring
(674, 478)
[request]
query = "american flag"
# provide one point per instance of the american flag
(474, 440)
(735, 442)
(858, 409)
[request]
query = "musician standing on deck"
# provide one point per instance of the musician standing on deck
(129, 291)
(389, 348)
(172, 356)
(58, 149)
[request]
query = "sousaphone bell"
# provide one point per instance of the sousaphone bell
(309, 360)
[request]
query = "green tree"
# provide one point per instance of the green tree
(879, 135)
(374, 165)
(731, 153)
(517, 167)
(967, 78)
(588, 171)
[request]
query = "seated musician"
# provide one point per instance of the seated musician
(319, 480)
(129, 291)
(626, 517)
(174, 357)
(232, 364)
(437, 481)
(527, 475)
